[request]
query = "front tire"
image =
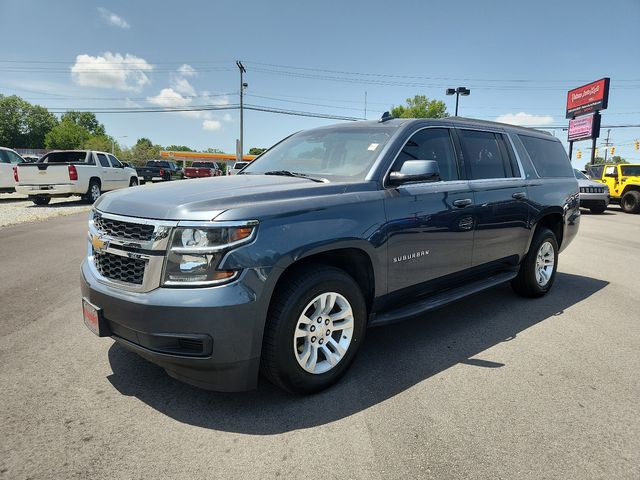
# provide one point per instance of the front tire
(316, 324)
(538, 269)
(133, 182)
(630, 202)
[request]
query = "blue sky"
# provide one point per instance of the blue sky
(516, 57)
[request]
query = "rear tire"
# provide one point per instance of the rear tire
(630, 202)
(538, 268)
(94, 191)
(598, 209)
(40, 200)
(315, 326)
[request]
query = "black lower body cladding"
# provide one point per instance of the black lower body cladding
(210, 338)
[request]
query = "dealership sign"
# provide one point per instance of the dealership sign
(583, 128)
(588, 98)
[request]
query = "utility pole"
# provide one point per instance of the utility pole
(365, 105)
(606, 145)
(240, 148)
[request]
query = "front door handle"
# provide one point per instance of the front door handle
(519, 195)
(463, 202)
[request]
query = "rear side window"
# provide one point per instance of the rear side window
(104, 161)
(65, 157)
(431, 144)
(14, 158)
(4, 158)
(487, 155)
(548, 156)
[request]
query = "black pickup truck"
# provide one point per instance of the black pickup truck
(281, 268)
(159, 171)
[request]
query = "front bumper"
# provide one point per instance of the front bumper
(228, 319)
(62, 190)
(594, 200)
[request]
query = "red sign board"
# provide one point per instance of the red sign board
(583, 128)
(588, 98)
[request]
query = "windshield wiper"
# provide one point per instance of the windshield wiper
(287, 173)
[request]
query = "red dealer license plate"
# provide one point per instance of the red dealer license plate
(91, 316)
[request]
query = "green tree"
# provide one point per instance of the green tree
(257, 151)
(420, 107)
(102, 143)
(86, 120)
(178, 148)
(23, 125)
(66, 135)
(143, 150)
(616, 159)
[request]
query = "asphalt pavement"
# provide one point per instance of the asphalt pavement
(492, 387)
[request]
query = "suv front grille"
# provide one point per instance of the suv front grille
(591, 189)
(123, 269)
(125, 230)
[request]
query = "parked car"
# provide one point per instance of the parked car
(593, 195)
(202, 169)
(8, 159)
(237, 167)
(159, 171)
(282, 267)
(65, 173)
(623, 182)
(30, 158)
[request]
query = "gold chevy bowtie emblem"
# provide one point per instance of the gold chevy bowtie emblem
(98, 243)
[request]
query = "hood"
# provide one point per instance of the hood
(206, 198)
(590, 183)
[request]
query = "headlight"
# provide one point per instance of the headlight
(195, 252)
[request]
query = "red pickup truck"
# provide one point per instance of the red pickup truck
(202, 169)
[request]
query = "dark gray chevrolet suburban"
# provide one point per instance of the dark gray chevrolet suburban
(281, 268)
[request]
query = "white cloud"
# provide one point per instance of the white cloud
(211, 125)
(168, 97)
(181, 94)
(525, 119)
(187, 71)
(112, 19)
(111, 71)
(182, 86)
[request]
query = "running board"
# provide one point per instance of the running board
(439, 300)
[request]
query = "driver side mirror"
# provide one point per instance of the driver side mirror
(416, 171)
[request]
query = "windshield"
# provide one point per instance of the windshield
(579, 175)
(339, 153)
(630, 170)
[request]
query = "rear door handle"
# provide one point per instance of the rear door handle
(463, 202)
(519, 195)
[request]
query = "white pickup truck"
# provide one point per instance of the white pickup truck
(73, 172)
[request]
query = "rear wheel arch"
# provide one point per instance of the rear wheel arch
(554, 221)
(629, 188)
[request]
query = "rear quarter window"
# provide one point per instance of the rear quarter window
(548, 156)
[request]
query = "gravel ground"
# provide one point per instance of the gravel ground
(15, 208)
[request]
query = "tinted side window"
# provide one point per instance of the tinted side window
(548, 156)
(487, 155)
(103, 160)
(431, 144)
(4, 158)
(15, 158)
(114, 161)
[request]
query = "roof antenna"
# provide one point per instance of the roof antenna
(385, 116)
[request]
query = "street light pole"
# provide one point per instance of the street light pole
(242, 87)
(464, 91)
